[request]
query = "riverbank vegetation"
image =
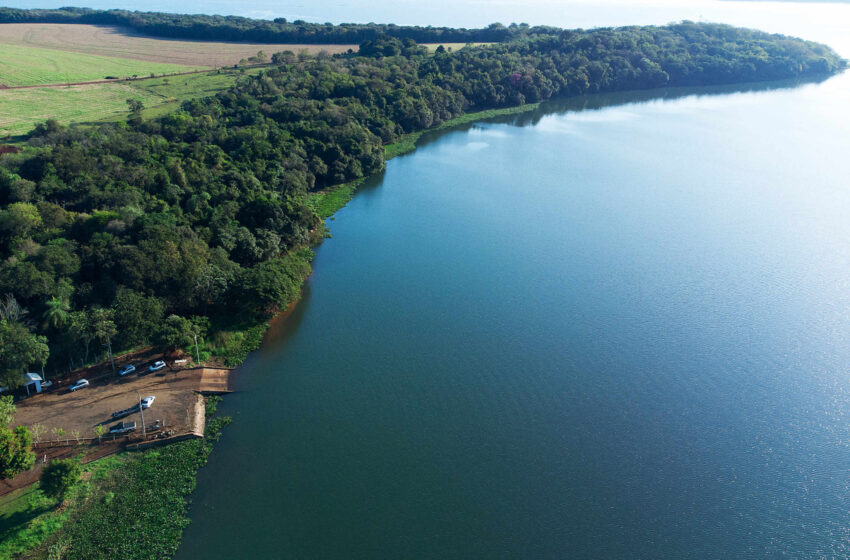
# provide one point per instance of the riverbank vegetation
(116, 233)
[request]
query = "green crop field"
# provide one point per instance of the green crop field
(23, 66)
(22, 109)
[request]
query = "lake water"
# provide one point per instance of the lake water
(614, 328)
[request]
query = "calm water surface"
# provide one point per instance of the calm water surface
(617, 328)
(616, 332)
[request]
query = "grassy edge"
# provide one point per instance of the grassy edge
(326, 202)
(407, 143)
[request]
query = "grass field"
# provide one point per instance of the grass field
(22, 109)
(28, 517)
(25, 66)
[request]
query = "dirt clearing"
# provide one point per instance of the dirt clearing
(176, 403)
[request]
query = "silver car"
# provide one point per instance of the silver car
(81, 384)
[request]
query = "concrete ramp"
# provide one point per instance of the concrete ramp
(214, 381)
(199, 416)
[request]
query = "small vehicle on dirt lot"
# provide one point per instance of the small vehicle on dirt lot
(126, 412)
(126, 370)
(81, 384)
(122, 428)
(157, 365)
(147, 402)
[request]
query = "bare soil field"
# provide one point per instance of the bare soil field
(82, 410)
(125, 43)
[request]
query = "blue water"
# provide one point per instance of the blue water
(611, 332)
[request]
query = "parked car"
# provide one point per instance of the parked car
(147, 402)
(127, 370)
(81, 384)
(122, 428)
(157, 365)
(126, 412)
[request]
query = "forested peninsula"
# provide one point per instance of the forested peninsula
(201, 221)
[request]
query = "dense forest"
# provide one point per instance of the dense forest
(235, 28)
(147, 231)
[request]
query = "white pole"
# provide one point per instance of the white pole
(197, 352)
(142, 412)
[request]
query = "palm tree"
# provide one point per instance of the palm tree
(57, 314)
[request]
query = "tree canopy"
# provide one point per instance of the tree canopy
(16, 453)
(59, 476)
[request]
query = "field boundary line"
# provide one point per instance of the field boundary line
(130, 80)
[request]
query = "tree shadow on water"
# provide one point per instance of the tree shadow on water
(598, 101)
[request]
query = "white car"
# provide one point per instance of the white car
(81, 384)
(147, 402)
(127, 369)
(157, 365)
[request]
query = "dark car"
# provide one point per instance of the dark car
(122, 428)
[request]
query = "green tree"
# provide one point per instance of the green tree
(136, 317)
(82, 329)
(135, 106)
(176, 332)
(16, 453)
(7, 410)
(59, 476)
(272, 285)
(57, 312)
(99, 431)
(20, 219)
(104, 328)
(19, 349)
